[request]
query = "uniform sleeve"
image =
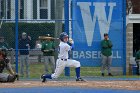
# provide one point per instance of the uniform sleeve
(110, 44)
(28, 41)
(43, 47)
(68, 48)
(137, 55)
(53, 45)
(30, 44)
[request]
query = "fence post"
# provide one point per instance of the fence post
(16, 31)
(124, 36)
(66, 11)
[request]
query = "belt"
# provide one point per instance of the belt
(63, 59)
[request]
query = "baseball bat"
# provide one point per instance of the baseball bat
(46, 37)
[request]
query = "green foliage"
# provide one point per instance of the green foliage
(32, 29)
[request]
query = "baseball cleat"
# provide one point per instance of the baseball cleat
(110, 74)
(43, 78)
(80, 79)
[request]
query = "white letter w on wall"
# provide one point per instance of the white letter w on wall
(99, 15)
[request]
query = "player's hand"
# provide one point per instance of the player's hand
(71, 41)
(10, 49)
(45, 50)
(29, 37)
(107, 38)
(17, 76)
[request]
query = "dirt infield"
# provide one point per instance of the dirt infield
(130, 85)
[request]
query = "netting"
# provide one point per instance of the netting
(47, 17)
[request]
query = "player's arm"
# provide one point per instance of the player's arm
(71, 46)
(110, 45)
(68, 47)
(137, 56)
(53, 47)
(71, 43)
(104, 45)
(9, 67)
(43, 47)
(10, 70)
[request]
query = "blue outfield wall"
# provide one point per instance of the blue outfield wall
(91, 19)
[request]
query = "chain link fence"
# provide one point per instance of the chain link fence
(36, 18)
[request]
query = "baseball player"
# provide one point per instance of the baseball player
(63, 60)
(4, 63)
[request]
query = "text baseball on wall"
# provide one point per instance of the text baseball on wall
(91, 19)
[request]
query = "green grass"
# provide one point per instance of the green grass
(38, 69)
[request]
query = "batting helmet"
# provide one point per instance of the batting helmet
(63, 35)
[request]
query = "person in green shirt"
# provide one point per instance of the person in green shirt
(138, 61)
(48, 49)
(106, 51)
(3, 44)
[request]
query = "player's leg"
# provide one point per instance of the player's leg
(104, 60)
(46, 63)
(52, 61)
(59, 68)
(60, 65)
(76, 64)
(27, 65)
(21, 65)
(4, 77)
(109, 61)
(11, 78)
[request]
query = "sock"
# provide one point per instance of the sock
(48, 76)
(77, 72)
